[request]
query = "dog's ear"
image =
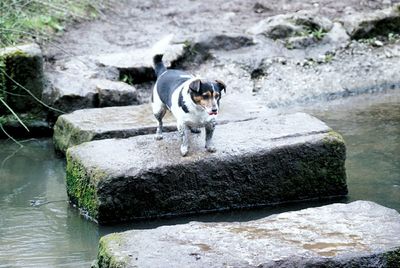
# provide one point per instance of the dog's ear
(221, 85)
(195, 85)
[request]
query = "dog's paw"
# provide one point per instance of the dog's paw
(158, 137)
(184, 150)
(211, 149)
(195, 130)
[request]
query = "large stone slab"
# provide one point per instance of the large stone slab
(104, 123)
(123, 122)
(359, 234)
(258, 162)
(70, 92)
(91, 81)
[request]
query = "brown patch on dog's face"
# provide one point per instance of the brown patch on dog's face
(208, 97)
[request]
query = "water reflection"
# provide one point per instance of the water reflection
(49, 235)
(370, 126)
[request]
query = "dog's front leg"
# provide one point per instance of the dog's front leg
(210, 126)
(184, 133)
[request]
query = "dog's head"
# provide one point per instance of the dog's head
(207, 94)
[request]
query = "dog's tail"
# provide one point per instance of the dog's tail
(159, 49)
(159, 66)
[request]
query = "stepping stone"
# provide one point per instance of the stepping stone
(359, 234)
(77, 83)
(138, 64)
(138, 58)
(72, 92)
(123, 122)
(258, 162)
(104, 123)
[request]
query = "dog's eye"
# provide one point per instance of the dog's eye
(216, 94)
(206, 96)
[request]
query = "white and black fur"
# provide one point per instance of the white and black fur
(193, 102)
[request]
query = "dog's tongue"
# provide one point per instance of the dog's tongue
(213, 113)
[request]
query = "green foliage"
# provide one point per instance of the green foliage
(27, 20)
(317, 33)
(393, 37)
(127, 78)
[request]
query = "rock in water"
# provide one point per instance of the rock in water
(258, 162)
(359, 234)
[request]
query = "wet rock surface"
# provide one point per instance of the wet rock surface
(258, 162)
(359, 234)
(123, 122)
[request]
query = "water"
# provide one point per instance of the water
(370, 125)
(38, 228)
(48, 235)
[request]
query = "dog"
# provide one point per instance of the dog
(193, 101)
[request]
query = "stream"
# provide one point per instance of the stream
(38, 227)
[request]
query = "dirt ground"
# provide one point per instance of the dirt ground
(135, 24)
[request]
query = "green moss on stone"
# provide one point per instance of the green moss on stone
(334, 138)
(81, 186)
(393, 259)
(105, 257)
(26, 70)
(67, 135)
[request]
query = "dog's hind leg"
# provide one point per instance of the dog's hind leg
(159, 110)
(159, 116)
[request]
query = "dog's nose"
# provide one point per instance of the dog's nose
(214, 110)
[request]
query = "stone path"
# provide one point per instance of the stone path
(258, 162)
(359, 234)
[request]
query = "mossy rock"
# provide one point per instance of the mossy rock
(23, 66)
(80, 189)
(336, 235)
(393, 257)
(107, 258)
(258, 162)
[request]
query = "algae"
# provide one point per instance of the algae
(392, 258)
(80, 186)
(27, 71)
(105, 257)
(66, 135)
